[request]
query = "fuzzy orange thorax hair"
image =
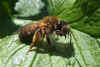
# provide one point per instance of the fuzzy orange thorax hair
(50, 20)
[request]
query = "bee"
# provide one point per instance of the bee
(42, 29)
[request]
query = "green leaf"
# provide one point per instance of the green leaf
(90, 23)
(84, 50)
(83, 15)
(64, 9)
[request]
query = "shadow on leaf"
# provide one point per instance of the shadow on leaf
(65, 50)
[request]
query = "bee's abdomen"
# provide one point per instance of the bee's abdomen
(26, 33)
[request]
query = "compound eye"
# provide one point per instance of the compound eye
(59, 23)
(58, 26)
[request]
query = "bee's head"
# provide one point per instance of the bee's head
(62, 28)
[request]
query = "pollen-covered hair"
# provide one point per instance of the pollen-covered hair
(50, 20)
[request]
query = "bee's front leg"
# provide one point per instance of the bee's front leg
(35, 39)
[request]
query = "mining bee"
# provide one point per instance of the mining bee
(42, 29)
